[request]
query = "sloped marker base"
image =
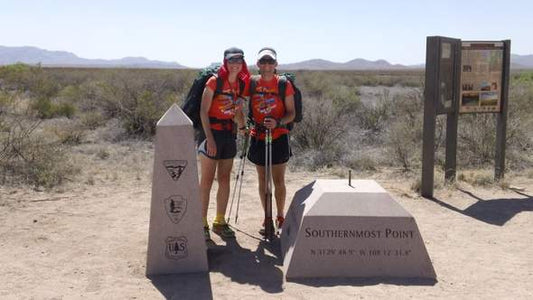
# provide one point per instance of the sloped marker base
(335, 230)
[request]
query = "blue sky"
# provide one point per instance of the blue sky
(195, 33)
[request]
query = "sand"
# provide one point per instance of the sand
(90, 241)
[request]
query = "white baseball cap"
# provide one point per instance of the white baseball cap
(267, 52)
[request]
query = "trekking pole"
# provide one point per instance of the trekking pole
(243, 160)
(240, 173)
(269, 227)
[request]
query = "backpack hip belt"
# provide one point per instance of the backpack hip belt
(227, 124)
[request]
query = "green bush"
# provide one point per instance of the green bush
(46, 109)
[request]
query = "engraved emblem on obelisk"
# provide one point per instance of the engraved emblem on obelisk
(176, 247)
(175, 168)
(176, 206)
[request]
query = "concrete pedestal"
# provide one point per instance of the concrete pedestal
(334, 230)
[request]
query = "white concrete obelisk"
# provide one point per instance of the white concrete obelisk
(176, 241)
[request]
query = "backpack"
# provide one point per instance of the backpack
(282, 87)
(193, 101)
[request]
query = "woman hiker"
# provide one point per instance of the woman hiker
(218, 112)
(269, 111)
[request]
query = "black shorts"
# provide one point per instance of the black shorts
(226, 145)
(281, 151)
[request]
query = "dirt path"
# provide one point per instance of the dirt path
(90, 242)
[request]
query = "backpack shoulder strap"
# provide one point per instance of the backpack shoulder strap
(242, 84)
(282, 87)
(253, 84)
(251, 92)
(220, 85)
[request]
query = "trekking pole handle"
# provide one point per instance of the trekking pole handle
(268, 120)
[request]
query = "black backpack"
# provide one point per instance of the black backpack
(282, 87)
(193, 101)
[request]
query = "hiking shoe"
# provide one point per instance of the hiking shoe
(206, 233)
(223, 230)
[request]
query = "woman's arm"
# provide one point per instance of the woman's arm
(207, 99)
(290, 111)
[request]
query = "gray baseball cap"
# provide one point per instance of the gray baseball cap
(233, 52)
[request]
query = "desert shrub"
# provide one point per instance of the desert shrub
(15, 77)
(404, 134)
(321, 134)
(65, 110)
(322, 125)
(344, 96)
(313, 159)
(103, 154)
(403, 145)
(27, 156)
(66, 131)
(519, 122)
(477, 178)
(6, 101)
(137, 101)
(92, 120)
(317, 82)
(47, 109)
(362, 162)
(373, 117)
(476, 139)
(32, 79)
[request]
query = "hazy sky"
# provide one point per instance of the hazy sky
(195, 33)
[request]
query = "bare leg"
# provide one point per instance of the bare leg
(278, 176)
(208, 167)
(261, 178)
(223, 177)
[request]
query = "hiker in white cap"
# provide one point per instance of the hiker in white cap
(270, 110)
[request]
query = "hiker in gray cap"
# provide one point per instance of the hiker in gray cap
(221, 106)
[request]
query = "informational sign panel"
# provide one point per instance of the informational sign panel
(481, 77)
(446, 77)
(463, 77)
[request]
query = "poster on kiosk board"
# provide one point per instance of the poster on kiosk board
(481, 77)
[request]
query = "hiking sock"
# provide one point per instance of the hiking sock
(219, 219)
(279, 221)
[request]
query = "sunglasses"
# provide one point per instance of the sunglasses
(264, 61)
(236, 60)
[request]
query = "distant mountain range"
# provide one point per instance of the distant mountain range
(356, 64)
(521, 61)
(33, 55)
(517, 62)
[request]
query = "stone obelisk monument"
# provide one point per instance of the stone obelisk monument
(176, 242)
